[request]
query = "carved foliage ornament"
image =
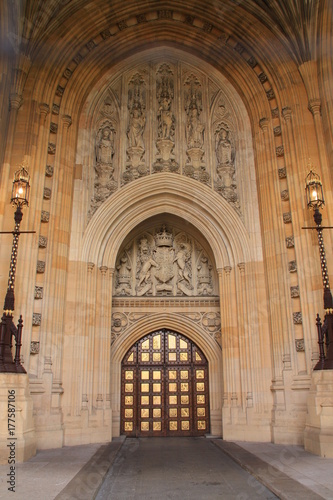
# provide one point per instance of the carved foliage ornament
(163, 263)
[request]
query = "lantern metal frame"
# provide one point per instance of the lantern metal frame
(315, 201)
(19, 198)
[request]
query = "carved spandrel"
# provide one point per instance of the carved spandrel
(163, 262)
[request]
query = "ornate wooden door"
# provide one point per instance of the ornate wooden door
(164, 387)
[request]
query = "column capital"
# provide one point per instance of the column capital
(15, 101)
(103, 270)
(66, 120)
(314, 106)
(227, 270)
(286, 113)
(44, 109)
(90, 266)
(263, 123)
(241, 267)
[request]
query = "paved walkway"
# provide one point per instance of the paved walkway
(178, 468)
(78, 472)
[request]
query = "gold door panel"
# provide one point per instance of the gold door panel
(164, 387)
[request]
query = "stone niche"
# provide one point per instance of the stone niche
(164, 261)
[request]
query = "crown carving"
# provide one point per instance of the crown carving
(164, 238)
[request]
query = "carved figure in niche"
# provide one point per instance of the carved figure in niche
(225, 154)
(194, 129)
(165, 161)
(104, 147)
(136, 128)
(146, 262)
(123, 276)
(223, 147)
(135, 165)
(165, 120)
(204, 277)
(104, 184)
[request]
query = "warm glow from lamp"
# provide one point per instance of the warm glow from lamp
(314, 191)
(21, 188)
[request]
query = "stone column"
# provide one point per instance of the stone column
(15, 102)
(32, 218)
(90, 338)
(309, 73)
(101, 337)
(230, 349)
(273, 239)
(246, 354)
(302, 241)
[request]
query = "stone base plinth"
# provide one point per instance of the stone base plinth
(318, 434)
(17, 428)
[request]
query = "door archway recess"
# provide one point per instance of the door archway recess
(164, 387)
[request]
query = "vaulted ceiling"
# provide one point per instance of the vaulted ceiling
(294, 22)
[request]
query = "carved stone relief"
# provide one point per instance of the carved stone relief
(135, 165)
(154, 119)
(194, 131)
(165, 160)
(164, 262)
(208, 321)
(104, 183)
(225, 183)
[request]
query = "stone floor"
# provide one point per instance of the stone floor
(172, 468)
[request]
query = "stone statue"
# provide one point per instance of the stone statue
(223, 147)
(194, 129)
(204, 276)
(136, 128)
(165, 120)
(104, 148)
(104, 183)
(123, 276)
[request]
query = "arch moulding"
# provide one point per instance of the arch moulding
(166, 193)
